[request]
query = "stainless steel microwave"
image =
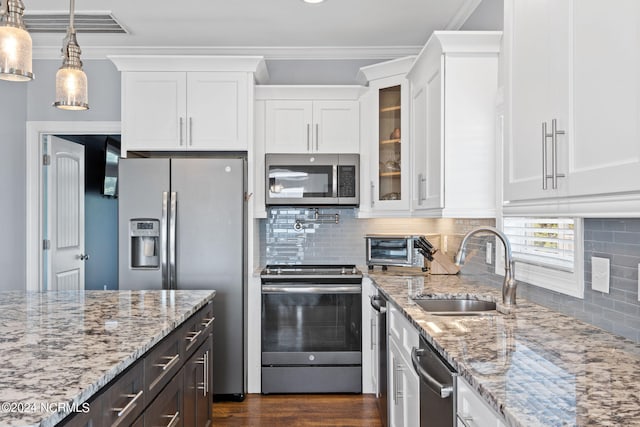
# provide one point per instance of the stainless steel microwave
(312, 179)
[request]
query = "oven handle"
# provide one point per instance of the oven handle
(287, 289)
(440, 389)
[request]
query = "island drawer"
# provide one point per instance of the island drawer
(166, 409)
(123, 402)
(196, 330)
(161, 364)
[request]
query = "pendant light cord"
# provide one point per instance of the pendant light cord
(71, 15)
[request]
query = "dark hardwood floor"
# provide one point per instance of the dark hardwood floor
(298, 410)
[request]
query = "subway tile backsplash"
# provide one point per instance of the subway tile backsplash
(324, 242)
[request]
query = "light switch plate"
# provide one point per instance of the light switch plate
(600, 274)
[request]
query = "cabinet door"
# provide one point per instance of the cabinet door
(217, 115)
(288, 126)
(538, 43)
(166, 409)
(197, 387)
(427, 115)
(336, 127)
(390, 164)
(396, 407)
(153, 110)
(605, 156)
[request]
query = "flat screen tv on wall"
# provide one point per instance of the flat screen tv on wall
(111, 157)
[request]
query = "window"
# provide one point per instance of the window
(548, 252)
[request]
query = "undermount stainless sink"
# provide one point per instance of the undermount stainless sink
(457, 307)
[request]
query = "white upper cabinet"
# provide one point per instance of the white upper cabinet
(562, 69)
(384, 160)
(539, 51)
(187, 103)
(453, 95)
(297, 122)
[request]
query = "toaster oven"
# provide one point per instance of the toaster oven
(393, 250)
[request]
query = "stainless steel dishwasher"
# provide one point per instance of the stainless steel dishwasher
(437, 387)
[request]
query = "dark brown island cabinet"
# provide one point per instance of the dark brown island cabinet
(170, 385)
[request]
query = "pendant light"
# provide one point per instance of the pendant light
(15, 43)
(71, 81)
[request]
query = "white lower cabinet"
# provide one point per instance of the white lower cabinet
(404, 385)
(472, 410)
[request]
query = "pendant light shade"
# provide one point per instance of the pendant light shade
(71, 81)
(15, 43)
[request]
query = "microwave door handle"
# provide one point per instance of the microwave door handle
(335, 181)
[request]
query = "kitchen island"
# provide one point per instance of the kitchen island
(59, 350)
(534, 366)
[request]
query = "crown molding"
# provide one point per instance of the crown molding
(267, 52)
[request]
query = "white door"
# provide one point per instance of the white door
(65, 215)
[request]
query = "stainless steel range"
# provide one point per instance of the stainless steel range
(311, 329)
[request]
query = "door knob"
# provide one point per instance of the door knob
(84, 257)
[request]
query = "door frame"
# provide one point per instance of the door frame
(34, 233)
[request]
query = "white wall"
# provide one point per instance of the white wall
(12, 185)
(22, 102)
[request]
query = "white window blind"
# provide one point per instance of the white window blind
(546, 242)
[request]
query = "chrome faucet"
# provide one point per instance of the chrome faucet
(509, 284)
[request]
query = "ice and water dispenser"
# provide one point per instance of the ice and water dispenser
(144, 241)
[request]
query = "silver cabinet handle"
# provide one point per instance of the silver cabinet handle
(180, 130)
(308, 137)
(373, 193)
(175, 418)
(394, 382)
(421, 187)
(554, 154)
(190, 130)
(372, 328)
(545, 174)
(206, 373)
(129, 406)
(207, 322)
(317, 133)
(193, 336)
(399, 370)
(167, 366)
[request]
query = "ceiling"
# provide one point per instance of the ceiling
(275, 29)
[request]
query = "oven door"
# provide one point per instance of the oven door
(311, 324)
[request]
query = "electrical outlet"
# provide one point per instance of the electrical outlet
(600, 274)
(445, 244)
(489, 254)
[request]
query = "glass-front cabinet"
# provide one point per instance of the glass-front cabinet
(386, 139)
(390, 144)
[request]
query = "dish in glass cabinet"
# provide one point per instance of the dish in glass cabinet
(391, 196)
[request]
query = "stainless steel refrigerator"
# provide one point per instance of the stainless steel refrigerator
(182, 225)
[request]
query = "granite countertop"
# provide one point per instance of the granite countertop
(535, 366)
(57, 349)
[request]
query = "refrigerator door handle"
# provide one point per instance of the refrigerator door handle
(163, 240)
(172, 240)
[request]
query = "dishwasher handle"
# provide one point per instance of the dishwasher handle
(375, 303)
(440, 389)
